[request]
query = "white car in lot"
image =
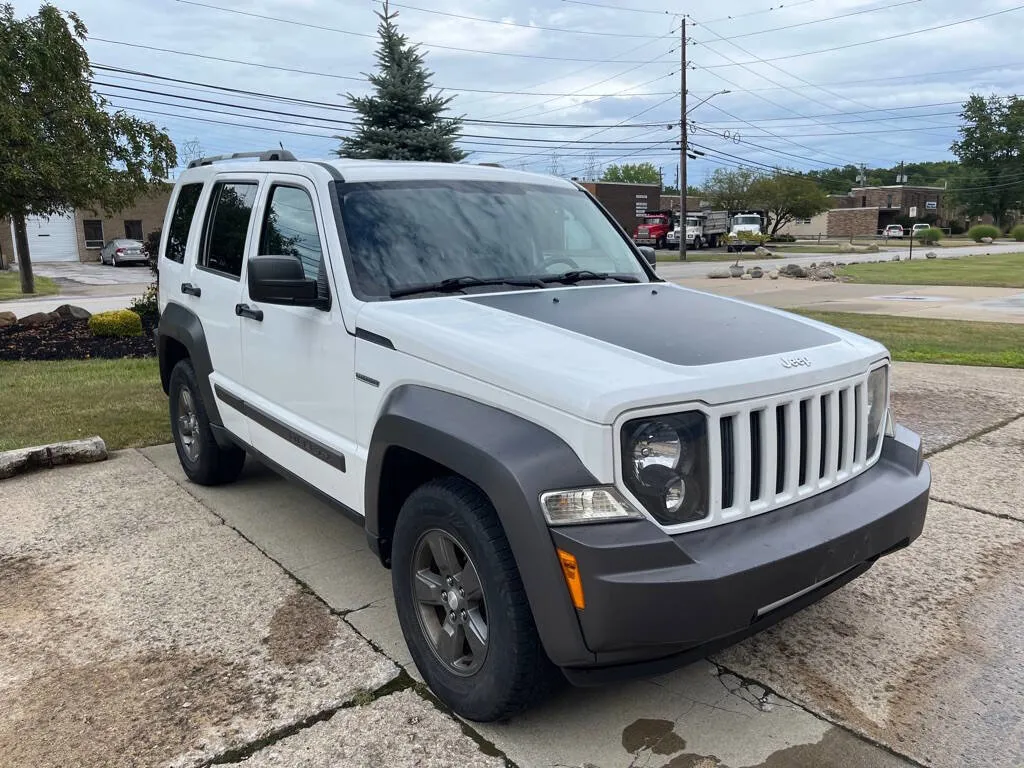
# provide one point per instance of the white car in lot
(461, 359)
(894, 231)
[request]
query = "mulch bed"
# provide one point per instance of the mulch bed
(70, 339)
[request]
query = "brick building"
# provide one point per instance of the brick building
(894, 203)
(836, 223)
(627, 203)
(79, 235)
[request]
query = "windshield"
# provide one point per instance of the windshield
(756, 220)
(693, 222)
(410, 233)
(655, 220)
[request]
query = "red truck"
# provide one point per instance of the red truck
(654, 228)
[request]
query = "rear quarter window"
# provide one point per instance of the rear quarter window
(181, 221)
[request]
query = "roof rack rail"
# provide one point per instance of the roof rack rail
(270, 154)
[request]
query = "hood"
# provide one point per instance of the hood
(596, 351)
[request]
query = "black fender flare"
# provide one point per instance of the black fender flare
(184, 326)
(510, 459)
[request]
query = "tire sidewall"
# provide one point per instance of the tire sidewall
(432, 508)
(183, 376)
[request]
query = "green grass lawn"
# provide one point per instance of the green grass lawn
(10, 286)
(999, 271)
(119, 400)
(954, 342)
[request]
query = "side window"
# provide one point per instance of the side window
(227, 224)
(181, 221)
(289, 229)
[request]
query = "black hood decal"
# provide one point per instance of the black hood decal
(680, 327)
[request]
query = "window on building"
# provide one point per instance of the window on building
(888, 203)
(181, 221)
(804, 221)
(93, 231)
(289, 229)
(227, 226)
(864, 201)
(133, 229)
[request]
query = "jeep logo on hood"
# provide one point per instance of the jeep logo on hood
(795, 362)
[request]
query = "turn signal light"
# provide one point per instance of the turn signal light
(571, 571)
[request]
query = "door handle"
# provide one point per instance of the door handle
(191, 290)
(244, 310)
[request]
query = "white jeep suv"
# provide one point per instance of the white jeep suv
(573, 468)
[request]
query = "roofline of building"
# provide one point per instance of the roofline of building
(902, 186)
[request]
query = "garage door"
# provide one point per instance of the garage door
(52, 238)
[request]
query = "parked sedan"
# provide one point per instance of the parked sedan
(123, 251)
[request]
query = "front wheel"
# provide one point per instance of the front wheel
(462, 605)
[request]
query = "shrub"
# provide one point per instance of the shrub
(1017, 233)
(930, 235)
(983, 230)
(118, 322)
(783, 239)
(151, 247)
(146, 306)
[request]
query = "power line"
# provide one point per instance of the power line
(869, 42)
(525, 26)
(337, 30)
(884, 7)
(618, 8)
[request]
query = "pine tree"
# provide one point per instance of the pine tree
(401, 120)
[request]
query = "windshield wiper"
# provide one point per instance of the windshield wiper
(453, 284)
(574, 276)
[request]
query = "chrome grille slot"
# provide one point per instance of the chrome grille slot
(728, 461)
(756, 455)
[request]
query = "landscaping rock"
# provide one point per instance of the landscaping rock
(871, 248)
(896, 257)
(44, 456)
(745, 276)
(847, 248)
(986, 240)
(757, 273)
(840, 263)
(829, 264)
(70, 310)
(762, 252)
(718, 274)
(823, 273)
(931, 255)
(35, 320)
(774, 274)
(7, 318)
(735, 270)
(794, 270)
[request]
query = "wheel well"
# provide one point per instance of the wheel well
(172, 351)
(402, 472)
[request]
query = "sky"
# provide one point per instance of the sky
(812, 83)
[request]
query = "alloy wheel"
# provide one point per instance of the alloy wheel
(188, 424)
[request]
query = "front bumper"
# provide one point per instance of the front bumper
(655, 601)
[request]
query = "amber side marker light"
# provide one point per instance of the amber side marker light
(571, 571)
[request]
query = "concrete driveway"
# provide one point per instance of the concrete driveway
(915, 663)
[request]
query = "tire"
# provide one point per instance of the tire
(728, 249)
(203, 461)
(512, 672)
(660, 244)
(697, 245)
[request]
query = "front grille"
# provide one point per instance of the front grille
(778, 449)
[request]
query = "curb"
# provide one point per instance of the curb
(22, 460)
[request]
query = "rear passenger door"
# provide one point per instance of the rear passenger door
(214, 288)
(299, 361)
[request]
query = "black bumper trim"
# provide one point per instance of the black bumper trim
(655, 601)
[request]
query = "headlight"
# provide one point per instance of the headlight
(586, 505)
(665, 465)
(878, 406)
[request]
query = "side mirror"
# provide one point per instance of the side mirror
(649, 254)
(281, 280)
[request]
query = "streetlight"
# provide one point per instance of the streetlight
(682, 153)
(709, 98)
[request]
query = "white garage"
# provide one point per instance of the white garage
(51, 238)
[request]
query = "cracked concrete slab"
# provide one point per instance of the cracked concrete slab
(922, 653)
(713, 717)
(136, 628)
(947, 404)
(986, 473)
(399, 730)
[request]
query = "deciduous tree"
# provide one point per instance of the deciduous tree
(632, 173)
(60, 147)
(401, 119)
(731, 189)
(785, 197)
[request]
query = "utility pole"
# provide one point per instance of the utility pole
(682, 139)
